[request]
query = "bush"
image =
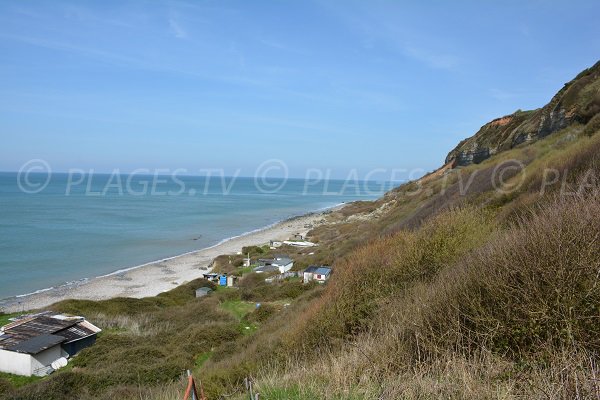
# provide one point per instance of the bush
(531, 292)
(253, 251)
(275, 291)
(538, 285)
(261, 314)
(592, 126)
(385, 267)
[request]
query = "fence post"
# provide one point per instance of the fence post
(191, 388)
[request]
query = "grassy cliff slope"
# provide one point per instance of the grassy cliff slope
(480, 280)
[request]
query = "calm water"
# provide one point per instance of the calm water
(67, 232)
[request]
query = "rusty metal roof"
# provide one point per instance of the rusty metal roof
(36, 344)
(76, 332)
(29, 328)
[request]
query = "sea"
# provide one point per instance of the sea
(63, 228)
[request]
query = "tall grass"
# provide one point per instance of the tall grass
(518, 316)
(373, 273)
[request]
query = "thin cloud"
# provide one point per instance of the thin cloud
(376, 26)
(273, 44)
(136, 63)
(177, 29)
(503, 95)
(431, 59)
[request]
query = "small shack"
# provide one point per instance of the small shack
(308, 273)
(231, 279)
(316, 273)
(211, 276)
(36, 344)
(203, 291)
(322, 274)
(281, 263)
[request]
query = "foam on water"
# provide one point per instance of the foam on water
(65, 234)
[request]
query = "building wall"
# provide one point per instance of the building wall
(308, 276)
(44, 359)
(75, 347)
(15, 363)
(285, 268)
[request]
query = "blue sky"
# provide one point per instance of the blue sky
(318, 84)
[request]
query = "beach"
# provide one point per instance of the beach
(156, 277)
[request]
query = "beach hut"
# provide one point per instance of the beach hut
(211, 277)
(231, 280)
(223, 280)
(316, 273)
(281, 263)
(322, 274)
(37, 344)
(266, 268)
(308, 273)
(203, 291)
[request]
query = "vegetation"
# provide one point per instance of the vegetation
(5, 318)
(475, 282)
(148, 343)
(490, 293)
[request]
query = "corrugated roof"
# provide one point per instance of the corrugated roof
(323, 271)
(45, 324)
(282, 261)
(266, 268)
(28, 328)
(312, 268)
(76, 332)
(36, 344)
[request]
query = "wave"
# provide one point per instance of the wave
(71, 284)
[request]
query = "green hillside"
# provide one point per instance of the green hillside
(480, 280)
(576, 103)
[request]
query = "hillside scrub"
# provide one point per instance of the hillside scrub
(145, 342)
(447, 287)
(516, 316)
(370, 275)
(533, 288)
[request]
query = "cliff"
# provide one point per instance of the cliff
(577, 102)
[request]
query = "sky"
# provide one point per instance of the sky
(330, 85)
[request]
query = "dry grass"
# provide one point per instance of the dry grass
(516, 318)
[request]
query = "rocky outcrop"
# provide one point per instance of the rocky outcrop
(577, 102)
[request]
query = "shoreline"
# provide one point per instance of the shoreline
(155, 277)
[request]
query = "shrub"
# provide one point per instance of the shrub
(592, 126)
(369, 275)
(261, 314)
(538, 285)
(530, 292)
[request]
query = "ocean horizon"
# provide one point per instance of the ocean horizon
(78, 227)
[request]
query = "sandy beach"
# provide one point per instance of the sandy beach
(160, 276)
